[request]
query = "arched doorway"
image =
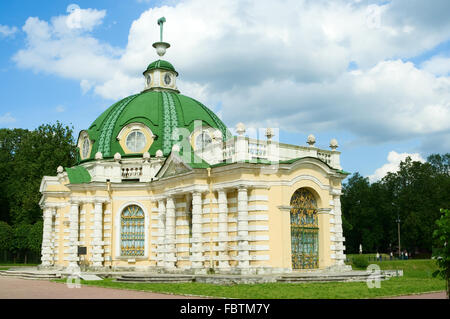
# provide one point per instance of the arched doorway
(304, 230)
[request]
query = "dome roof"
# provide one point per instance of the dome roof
(161, 64)
(160, 111)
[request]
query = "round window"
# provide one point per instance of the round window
(202, 140)
(167, 79)
(149, 79)
(85, 148)
(136, 141)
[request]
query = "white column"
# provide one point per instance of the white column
(197, 235)
(243, 248)
(160, 252)
(223, 230)
(97, 251)
(73, 237)
(339, 239)
(170, 257)
(46, 250)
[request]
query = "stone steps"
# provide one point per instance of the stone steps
(157, 278)
(233, 279)
(354, 277)
(30, 275)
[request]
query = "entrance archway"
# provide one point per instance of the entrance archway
(304, 230)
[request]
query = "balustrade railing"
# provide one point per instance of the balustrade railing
(131, 172)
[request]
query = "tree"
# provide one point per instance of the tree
(6, 238)
(25, 157)
(38, 153)
(442, 239)
(35, 237)
(413, 195)
(20, 241)
(10, 141)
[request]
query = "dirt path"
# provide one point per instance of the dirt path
(14, 288)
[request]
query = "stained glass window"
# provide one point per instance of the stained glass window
(132, 231)
(304, 230)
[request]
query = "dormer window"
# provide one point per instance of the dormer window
(135, 138)
(136, 141)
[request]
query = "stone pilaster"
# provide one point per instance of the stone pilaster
(197, 236)
(170, 258)
(242, 229)
(47, 251)
(223, 230)
(98, 243)
(339, 239)
(160, 252)
(73, 237)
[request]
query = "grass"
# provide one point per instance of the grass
(417, 279)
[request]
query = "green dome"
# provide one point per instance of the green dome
(161, 64)
(160, 111)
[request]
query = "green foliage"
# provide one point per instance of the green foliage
(25, 157)
(442, 253)
(360, 262)
(414, 194)
(21, 233)
(6, 236)
(35, 237)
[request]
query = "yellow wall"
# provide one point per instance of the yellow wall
(272, 191)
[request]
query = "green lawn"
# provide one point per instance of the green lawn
(417, 278)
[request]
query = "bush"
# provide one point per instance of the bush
(360, 262)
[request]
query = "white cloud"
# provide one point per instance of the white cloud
(6, 31)
(393, 164)
(60, 108)
(438, 65)
(264, 63)
(7, 118)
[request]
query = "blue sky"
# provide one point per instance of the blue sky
(372, 74)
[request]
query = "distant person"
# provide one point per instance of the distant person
(391, 255)
(378, 256)
(406, 255)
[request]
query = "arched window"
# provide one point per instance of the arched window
(304, 230)
(132, 231)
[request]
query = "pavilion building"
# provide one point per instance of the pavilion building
(161, 184)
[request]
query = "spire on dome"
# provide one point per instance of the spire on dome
(161, 46)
